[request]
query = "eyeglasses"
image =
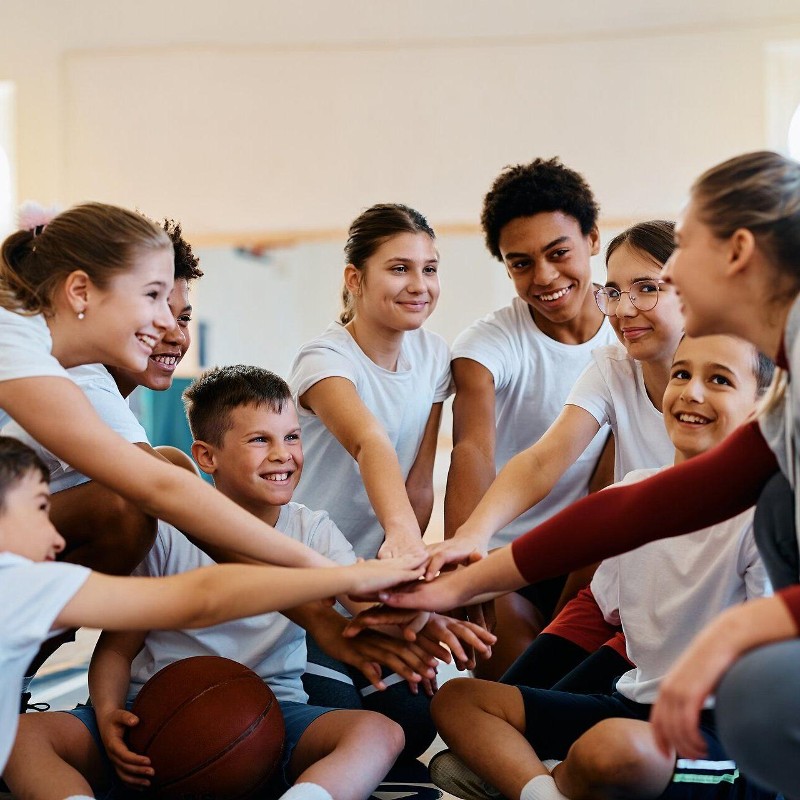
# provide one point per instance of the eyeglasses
(642, 294)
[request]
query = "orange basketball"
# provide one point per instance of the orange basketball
(211, 728)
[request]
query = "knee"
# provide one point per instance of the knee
(610, 755)
(453, 697)
(382, 733)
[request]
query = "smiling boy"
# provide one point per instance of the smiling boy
(514, 368)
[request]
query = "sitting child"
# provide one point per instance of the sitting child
(662, 593)
(39, 597)
(248, 438)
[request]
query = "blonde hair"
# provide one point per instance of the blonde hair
(759, 192)
(102, 240)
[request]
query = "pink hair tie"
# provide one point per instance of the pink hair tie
(34, 217)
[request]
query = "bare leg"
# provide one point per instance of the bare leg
(54, 757)
(518, 624)
(617, 759)
(331, 752)
(483, 723)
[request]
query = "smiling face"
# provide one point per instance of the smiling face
(648, 336)
(260, 461)
(711, 391)
(548, 259)
(398, 287)
(696, 270)
(169, 352)
(126, 320)
(25, 527)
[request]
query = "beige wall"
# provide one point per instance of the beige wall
(275, 115)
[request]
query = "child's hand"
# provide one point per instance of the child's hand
(397, 544)
(443, 594)
(373, 576)
(371, 650)
(461, 549)
(131, 767)
(464, 639)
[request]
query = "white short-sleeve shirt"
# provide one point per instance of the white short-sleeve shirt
(269, 644)
(25, 350)
(664, 592)
(401, 401)
(32, 595)
(100, 388)
(612, 390)
(533, 375)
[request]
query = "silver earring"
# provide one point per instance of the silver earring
(81, 315)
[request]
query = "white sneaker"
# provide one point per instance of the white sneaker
(450, 773)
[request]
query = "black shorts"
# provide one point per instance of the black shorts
(544, 595)
(555, 720)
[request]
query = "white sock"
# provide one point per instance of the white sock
(542, 787)
(551, 763)
(306, 791)
(79, 797)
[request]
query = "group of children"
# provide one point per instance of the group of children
(569, 388)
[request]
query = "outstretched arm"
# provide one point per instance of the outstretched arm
(41, 405)
(215, 594)
(523, 482)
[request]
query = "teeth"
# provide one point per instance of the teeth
(169, 361)
(278, 476)
(150, 341)
(693, 419)
(555, 295)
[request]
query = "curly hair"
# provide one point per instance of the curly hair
(186, 262)
(543, 185)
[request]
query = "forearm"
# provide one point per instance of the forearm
(471, 473)
(385, 487)
(420, 495)
(696, 494)
(495, 575)
(109, 678)
(522, 483)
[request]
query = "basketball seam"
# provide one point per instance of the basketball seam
(231, 745)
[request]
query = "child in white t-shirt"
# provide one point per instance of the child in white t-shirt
(662, 593)
(91, 286)
(370, 388)
(248, 439)
(39, 596)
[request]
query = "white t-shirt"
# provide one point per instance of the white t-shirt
(99, 387)
(31, 597)
(25, 350)
(533, 375)
(612, 390)
(666, 591)
(269, 644)
(401, 401)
